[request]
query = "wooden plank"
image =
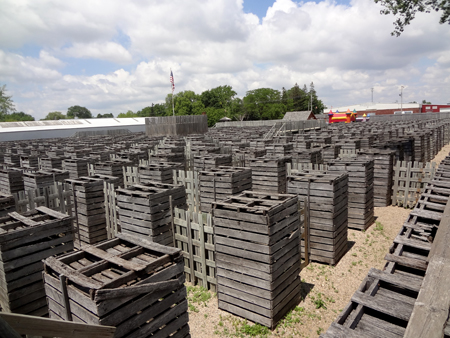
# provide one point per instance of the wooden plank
(431, 311)
(31, 325)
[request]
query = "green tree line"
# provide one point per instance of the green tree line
(216, 103)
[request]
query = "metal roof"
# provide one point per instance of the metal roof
(374, 106)
(297, 115)
(70, 124)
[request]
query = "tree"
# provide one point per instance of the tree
(316, 105)
(6, 103)
(16, 116)
(264, 104)
(105, 116)
(425, 102)
(55, 115)
(127, 114)
(188, 103)
(153, 110)
(298, 99)
(406, 10)
(79, 112)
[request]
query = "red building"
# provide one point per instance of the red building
(435, 108)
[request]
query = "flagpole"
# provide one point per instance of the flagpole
(173, 88)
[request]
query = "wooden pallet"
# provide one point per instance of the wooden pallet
(395, 302)
(360, 190)
(77, 167)
(24, 241)
(7, 204)
(219, 183)
(127, 282)
(147, 210)
(90, 208)
(328, 214)
(269, 174)
(210, 161)
(158, 172)
(258, 255)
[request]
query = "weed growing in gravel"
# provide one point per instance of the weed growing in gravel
(198, 294)
(318, 301)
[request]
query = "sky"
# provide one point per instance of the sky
(114, 56)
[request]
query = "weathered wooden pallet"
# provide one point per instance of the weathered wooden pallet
(389, 301)
(360, 190)
(7, 204)
(77, 167)
(127, 282)
(258, 255)
(50, 162)
(24, 241)
(148, 210)
(328, 214)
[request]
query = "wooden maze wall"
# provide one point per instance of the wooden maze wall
(409, 297)
(119, 160)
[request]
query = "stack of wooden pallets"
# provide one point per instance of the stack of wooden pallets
(244, 155)
(383, 164)
(269, 173)
(90, 209)
(55, 152)
(330, 152)
(13, 159)
(260, 143)
(313, 155)
(360, 190)
(29, 161)
(168, 157)
(211, 161)
(77, 167)
(25, 240)
(100, 156)
(258, 255)
(112, 168)
(41, 179)
(7, 204)
(127, 282)
(217, 184)
(279, 149)
(51, 163)
(11, 181)
(327, 195)
(158, 172)
(146, 210)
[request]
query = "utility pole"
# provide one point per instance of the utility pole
(401, 99)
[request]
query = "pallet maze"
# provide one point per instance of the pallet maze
(403, 300)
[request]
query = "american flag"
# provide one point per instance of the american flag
(172, 81)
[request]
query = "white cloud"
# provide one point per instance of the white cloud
(19, 69)
(344, 50)
(108, 51)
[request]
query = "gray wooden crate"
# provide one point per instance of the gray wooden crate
(24, 241)
(257, 239)
(127, 282)
(147, 210)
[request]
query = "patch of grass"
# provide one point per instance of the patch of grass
(255, 330)
(198, 294)
(319, 331)
(192, 308)
(318, 301)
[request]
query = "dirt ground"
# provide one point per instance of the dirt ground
(326, 289)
